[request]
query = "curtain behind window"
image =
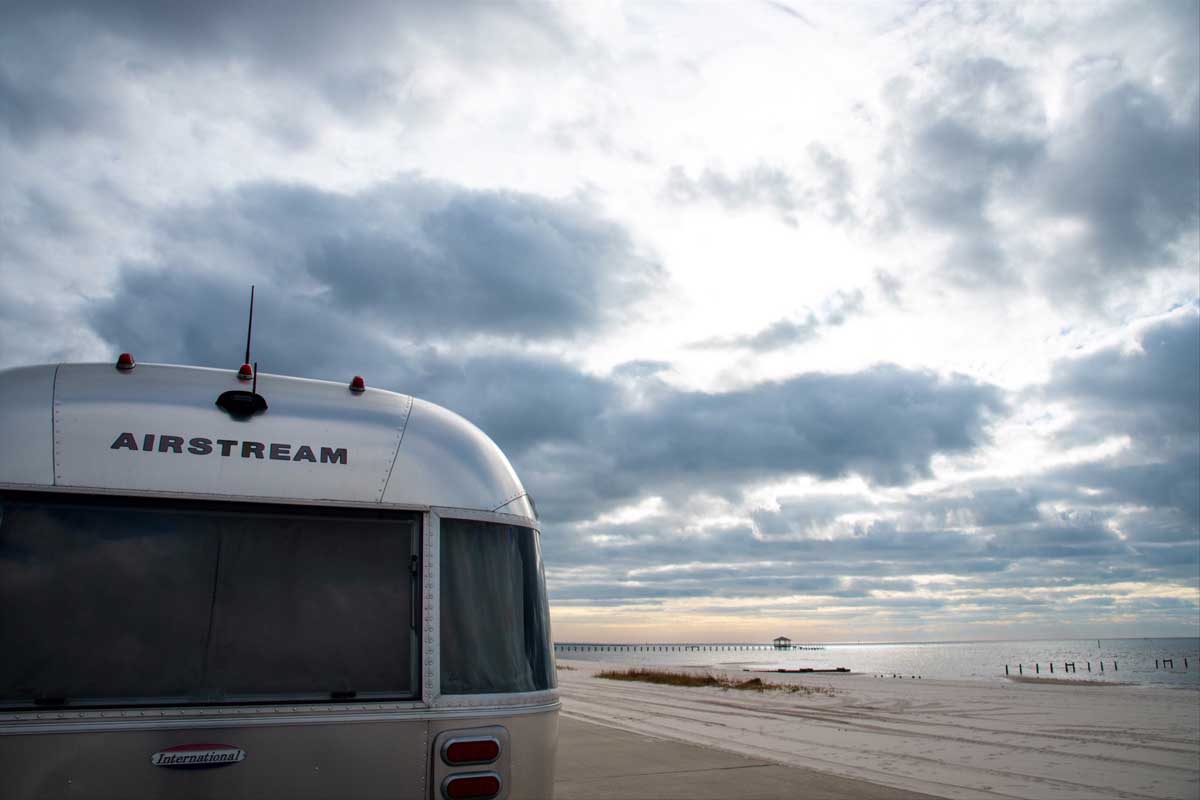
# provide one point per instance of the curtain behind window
(495, 621)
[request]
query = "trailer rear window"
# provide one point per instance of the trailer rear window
(113, 603)
(495, 620)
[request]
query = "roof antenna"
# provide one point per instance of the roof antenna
(245, 373)
(239, 403)
(250, 327)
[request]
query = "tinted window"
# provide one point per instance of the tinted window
(301, 610)
(495, 621)
(92, 606)
(103, 602)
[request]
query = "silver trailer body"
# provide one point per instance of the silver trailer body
(341, 596)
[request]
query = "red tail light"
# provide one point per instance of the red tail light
(475, 786)
(358, 384)
(125, 362)
(458, 752)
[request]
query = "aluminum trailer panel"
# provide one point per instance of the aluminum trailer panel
(156, 428)
(26, 425)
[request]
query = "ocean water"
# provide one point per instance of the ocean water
(1124, 660)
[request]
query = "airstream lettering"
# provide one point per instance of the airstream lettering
(202, 446)
(355, 619)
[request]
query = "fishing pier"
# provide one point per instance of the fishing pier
(597, 647)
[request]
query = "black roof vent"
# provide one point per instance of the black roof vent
(240, 403)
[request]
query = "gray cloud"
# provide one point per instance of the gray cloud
(884, 423)
(836, 189)
(983, 506)
(430, 260)
(368, 93)
(27, 114)
(761, 185)
(1164, 485)
(780, 333)
(877, 557)
(193, 318)
(66, 63)
(1004, 506)
(823, 424)
(303, 34)
(835, 311)
(525, 401)
(1118, 168)
(1129, 518)
(890, 287)
(827, 192)
(792, 551)
(1129, 169)
(981, 130)
(1151, 393)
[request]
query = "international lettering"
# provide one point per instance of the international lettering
(162, 759)
(198, 756)
(230, 448)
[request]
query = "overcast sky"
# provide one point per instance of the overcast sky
(835, 321)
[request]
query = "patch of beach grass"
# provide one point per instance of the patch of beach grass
(693, 679)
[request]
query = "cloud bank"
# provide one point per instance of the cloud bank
(877, 328)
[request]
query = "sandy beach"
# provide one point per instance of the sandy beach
(961, 739)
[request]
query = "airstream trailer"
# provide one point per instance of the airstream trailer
(330, 591)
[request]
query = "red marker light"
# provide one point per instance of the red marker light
(358, 384)
(125, 362)
(458, 752)
(479, 786)
(245, 372)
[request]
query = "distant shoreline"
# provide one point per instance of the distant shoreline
(864, 643)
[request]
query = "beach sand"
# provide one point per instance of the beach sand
(961, 739)
(596, 762)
